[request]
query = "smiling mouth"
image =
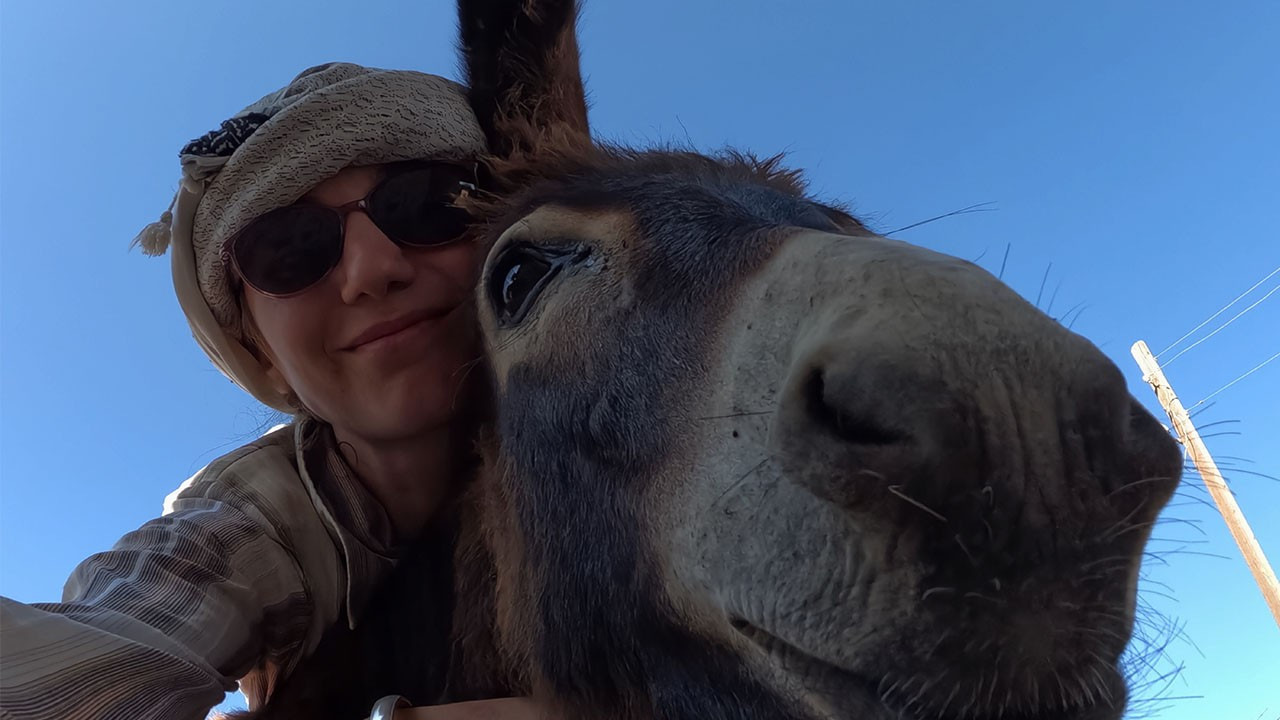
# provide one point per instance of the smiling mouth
(379, 334)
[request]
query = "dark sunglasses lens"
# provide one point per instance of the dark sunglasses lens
(290, 249)
(416, 207)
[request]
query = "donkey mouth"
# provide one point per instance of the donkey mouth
(843, 692)
(854, 694)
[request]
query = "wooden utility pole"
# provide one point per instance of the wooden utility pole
(1249, 547)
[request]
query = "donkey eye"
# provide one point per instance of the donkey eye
(519, 276)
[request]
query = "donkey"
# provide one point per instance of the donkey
(748, 459)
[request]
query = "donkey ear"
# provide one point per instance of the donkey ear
(521, 65)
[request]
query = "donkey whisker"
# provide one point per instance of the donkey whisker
(897, 490)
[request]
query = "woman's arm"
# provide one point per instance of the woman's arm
(240, 579)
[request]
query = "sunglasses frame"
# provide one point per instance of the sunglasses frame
(230, 261)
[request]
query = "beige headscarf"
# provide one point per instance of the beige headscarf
(271, 154)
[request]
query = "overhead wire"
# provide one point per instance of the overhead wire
(1222, 327)
(1260, 365)
(1209, 319)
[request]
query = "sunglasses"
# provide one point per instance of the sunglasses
(290, 249)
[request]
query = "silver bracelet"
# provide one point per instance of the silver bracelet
(386, 707)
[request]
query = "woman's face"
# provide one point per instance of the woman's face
(381, 346)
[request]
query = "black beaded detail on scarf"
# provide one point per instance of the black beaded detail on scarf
(224, 141)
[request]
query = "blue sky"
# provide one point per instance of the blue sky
(1130, 149)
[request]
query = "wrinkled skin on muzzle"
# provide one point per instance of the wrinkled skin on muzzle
(764, 466)
(948, 496)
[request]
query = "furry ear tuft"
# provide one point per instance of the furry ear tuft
(521, 65)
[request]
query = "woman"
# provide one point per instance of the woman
(318, 256)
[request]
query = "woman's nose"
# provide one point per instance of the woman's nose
(371, 263)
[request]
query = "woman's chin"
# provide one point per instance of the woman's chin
(410, 407)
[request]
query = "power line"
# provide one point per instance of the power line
(1233, 382)
(1224, 325)
(1224, 309)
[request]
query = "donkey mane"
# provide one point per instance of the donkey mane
(570, 172)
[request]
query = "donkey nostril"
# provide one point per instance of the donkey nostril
(848, 426)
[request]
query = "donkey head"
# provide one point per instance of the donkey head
(754, 461)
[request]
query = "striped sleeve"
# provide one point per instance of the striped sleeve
(239, 580)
